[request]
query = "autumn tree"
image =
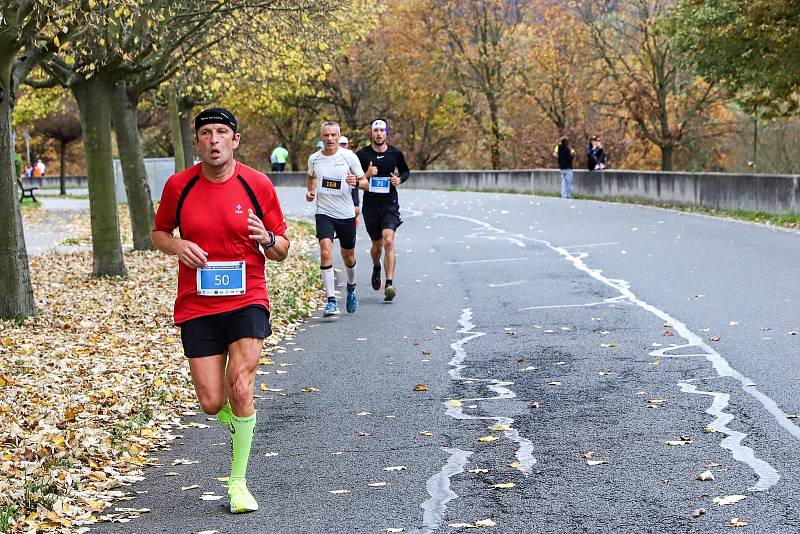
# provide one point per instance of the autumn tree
(478, 42)
(64, 126)
(750, 46)
(558, 74)
(27, 34)
(667, 101)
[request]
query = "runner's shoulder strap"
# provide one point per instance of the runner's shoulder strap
(193, 181)
(252, 195)
(182, 199)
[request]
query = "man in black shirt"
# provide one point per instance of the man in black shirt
(385, 169)
(565, 154)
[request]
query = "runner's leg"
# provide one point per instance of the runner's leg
(389, 263)
(349, 258)
(326, 266)
(208, 373)
(375, 252)
(239, 384)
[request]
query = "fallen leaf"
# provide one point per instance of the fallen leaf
(396, 468)
(535, 405)
(485, 523)
(596, 462)
(310, 389)
(338, 491)
(426, 433)
(608, 345)
(705, 476)
(500, 428)
(555, 383)
(421, 387)
(488, 439)
(205, 497)
(516, 464)
(698, 512)
(186, 488)
(376, 484)
(455, 403)
(503, 485)
(713, 338)
(728, 499)
(736, 522)
(478, 471)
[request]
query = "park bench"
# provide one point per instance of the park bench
(26, 191)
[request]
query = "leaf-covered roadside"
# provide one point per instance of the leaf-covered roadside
(96, 382)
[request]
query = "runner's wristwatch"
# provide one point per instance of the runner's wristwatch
(271, 242)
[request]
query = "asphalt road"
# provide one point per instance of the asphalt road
(659, 341)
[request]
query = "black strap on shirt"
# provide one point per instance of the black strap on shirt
(252, 195)
(181, 200)
(193, 181)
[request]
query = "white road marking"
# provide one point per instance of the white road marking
(485, 261)
(520, 282)
(718, 362)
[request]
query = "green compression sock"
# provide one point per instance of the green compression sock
(224, 415)
(242, 429)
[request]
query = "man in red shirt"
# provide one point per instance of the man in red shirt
(227, 213)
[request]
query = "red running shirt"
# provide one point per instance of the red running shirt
(214, 216)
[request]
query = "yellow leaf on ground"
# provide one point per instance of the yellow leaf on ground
(488, 439)
(421, 387)
(455, 403)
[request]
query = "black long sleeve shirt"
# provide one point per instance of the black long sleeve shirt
(386, 162)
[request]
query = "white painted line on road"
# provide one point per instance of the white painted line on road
(592, 245)
(484, 261)
(520, 282)
(612, 300)
(438, 487)
(720, 364)
(767, 475)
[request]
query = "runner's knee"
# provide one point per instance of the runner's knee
(210, 403)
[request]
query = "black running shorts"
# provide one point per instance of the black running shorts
(211, 334)
(378, 218)
(343, 229)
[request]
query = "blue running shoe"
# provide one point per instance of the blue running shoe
(331, 309)
(352, 299)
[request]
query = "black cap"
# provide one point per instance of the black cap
(215, 116)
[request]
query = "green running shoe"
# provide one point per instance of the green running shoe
(240, 498)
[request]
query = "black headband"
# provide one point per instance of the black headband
(215, 116)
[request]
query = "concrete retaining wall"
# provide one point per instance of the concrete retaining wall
(770, 194)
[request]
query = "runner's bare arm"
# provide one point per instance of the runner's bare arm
(311, 185)
(280, 245)
(189, 253)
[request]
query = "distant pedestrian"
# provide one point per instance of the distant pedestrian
(28, 171)
(278, 158)
(565, 154)
(595, 155)
(39, 168)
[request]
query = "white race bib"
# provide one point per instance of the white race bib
(221, 278)
(331, 186)
(380, 184)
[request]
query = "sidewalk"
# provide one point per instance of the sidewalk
(46, 228)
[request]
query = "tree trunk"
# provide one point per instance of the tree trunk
(494, 136)
(187, 136)
(175, 124)
(62, 175)
(140, 204)
(666, 157)
(94, 101)
(16, 290)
